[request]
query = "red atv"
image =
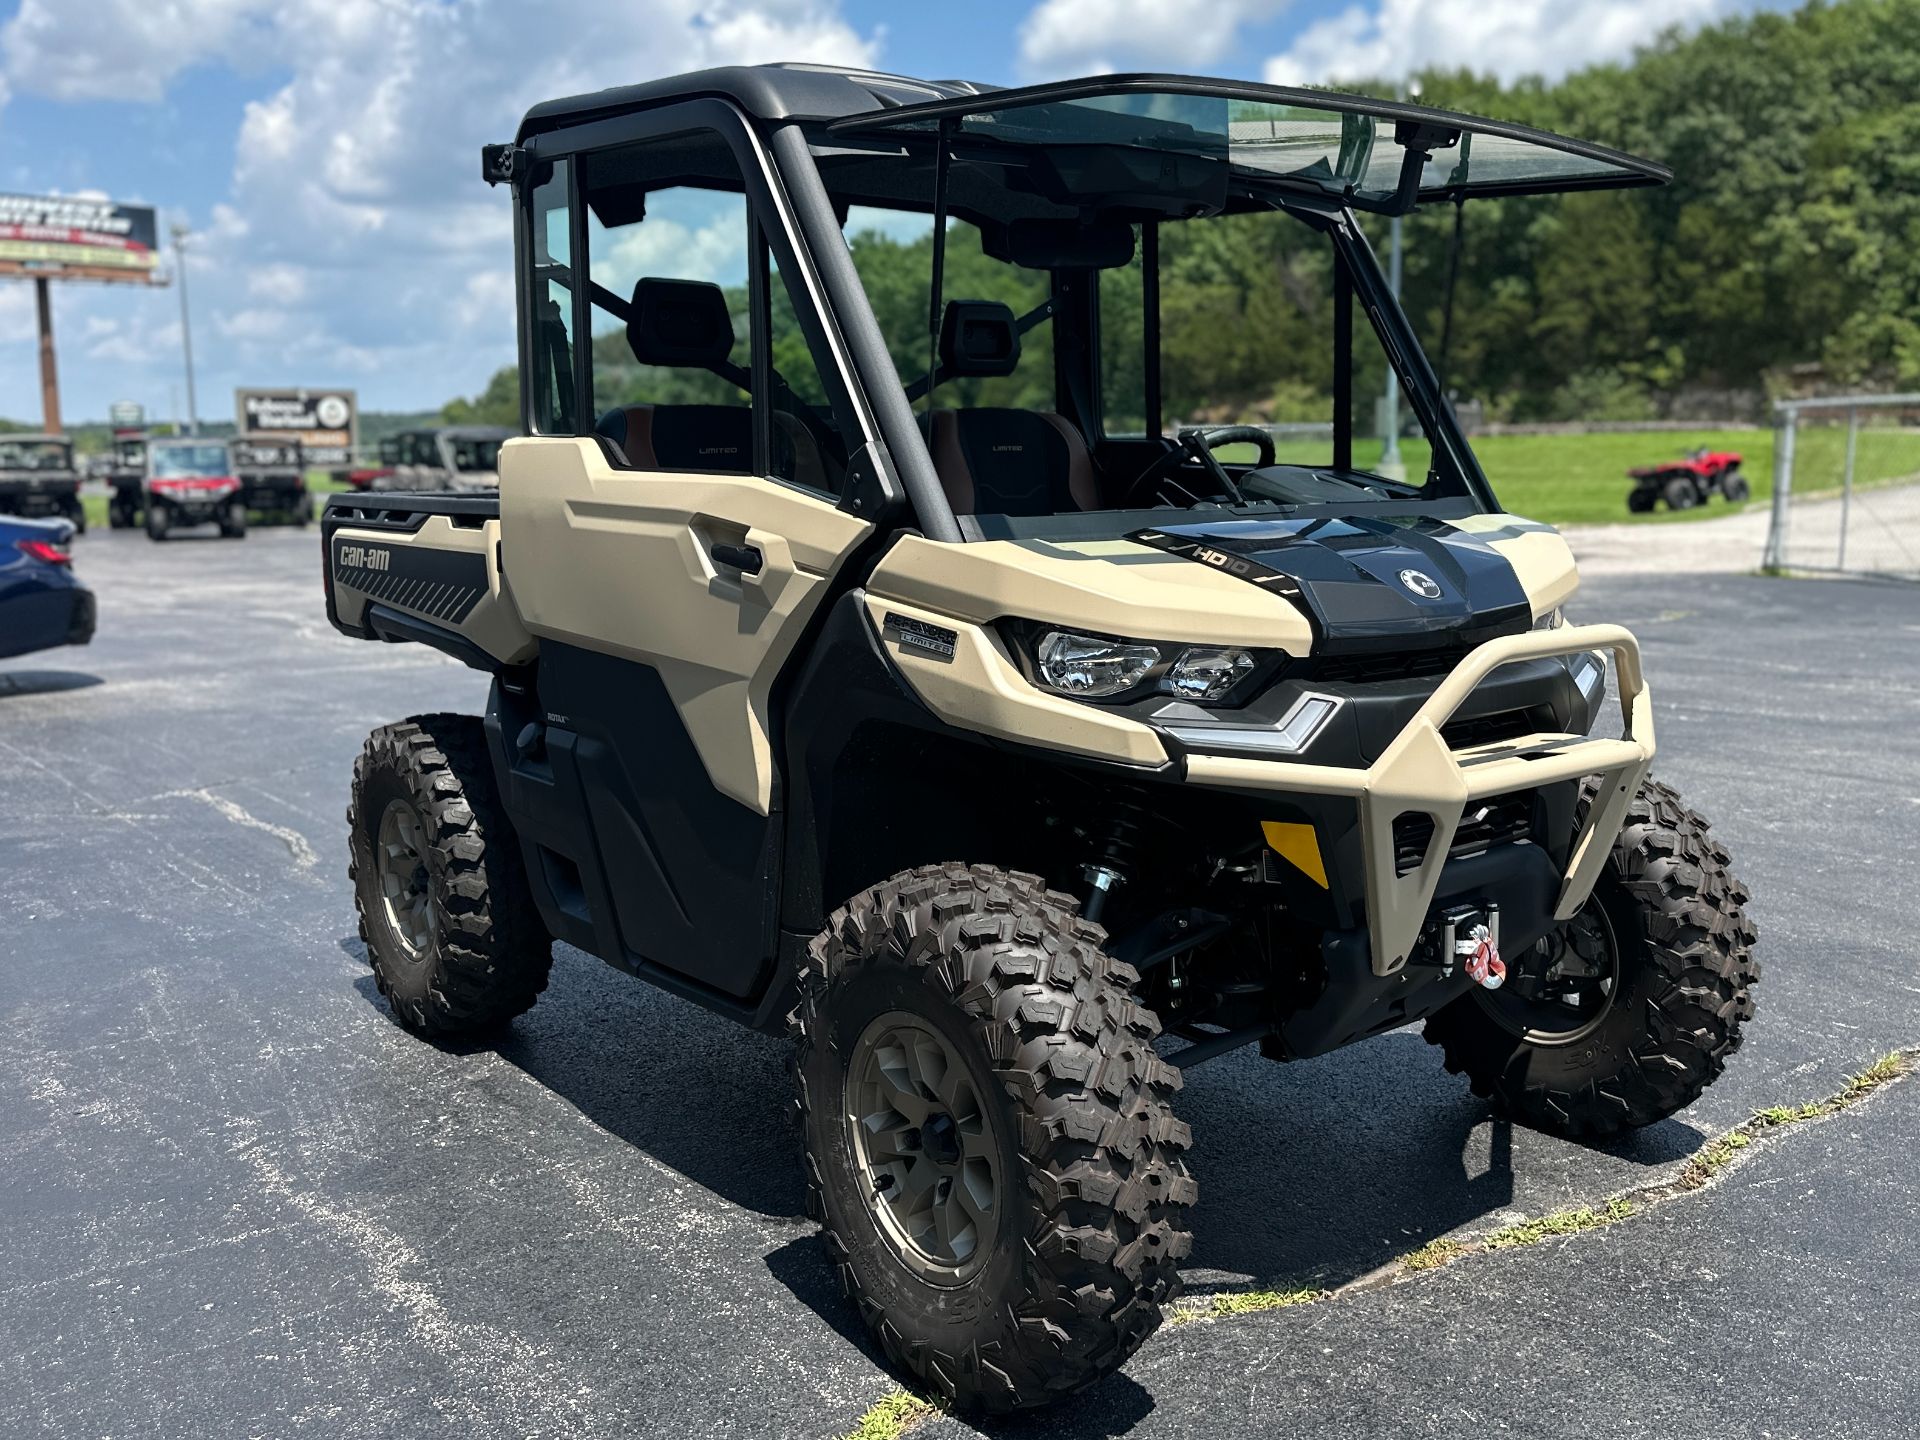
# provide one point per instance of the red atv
(1686, 483)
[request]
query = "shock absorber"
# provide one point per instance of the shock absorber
(1126, 814)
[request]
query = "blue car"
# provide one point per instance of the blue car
(41, 603)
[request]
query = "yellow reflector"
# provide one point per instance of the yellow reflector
(1298, 846)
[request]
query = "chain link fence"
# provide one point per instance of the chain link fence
(1846, 486)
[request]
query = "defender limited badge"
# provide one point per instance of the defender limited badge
(934, 640)
(1421, 584)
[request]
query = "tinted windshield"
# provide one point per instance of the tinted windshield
(175, 462)
(35, 455)
(1349, 146)
(417, 448)
(471, 455)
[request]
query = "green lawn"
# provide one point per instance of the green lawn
(1582, 479)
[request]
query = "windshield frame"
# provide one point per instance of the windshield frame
(1460, 478)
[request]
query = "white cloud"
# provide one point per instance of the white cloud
(1506, 38)
(1082, 36)
(357, 239)
(281, 283)
(119, 50)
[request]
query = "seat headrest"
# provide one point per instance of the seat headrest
(978, 338)
(680, 323)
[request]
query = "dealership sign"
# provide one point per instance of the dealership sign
(72, 237)
(325, 422)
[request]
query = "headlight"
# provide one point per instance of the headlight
(1087, 666)
(1203, 674)
(1097, 667)
(1552, 620)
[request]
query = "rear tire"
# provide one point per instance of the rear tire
(446, 912)
(1062, 1120)
(1641, 502)
(1680, 494)
(77, 513)
(1681, 990)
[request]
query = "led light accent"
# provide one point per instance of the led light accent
(1206, 674)
(1590, 674)
(1085, 665)
(1296, 730)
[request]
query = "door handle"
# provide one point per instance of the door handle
(743, 558)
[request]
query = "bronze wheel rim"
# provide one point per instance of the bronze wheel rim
(1566, 982)
(924, 1147)
(400, 863)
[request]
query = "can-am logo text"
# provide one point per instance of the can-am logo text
(360, 557)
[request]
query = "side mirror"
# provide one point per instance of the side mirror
(502, 164)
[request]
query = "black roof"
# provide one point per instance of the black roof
(766, 92)
(851, 102)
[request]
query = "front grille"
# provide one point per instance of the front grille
(1487, 729)
(1499, 822)
(1373, 669)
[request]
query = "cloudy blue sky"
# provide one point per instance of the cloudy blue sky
(325, 151)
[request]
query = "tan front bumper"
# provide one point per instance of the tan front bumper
(1418, 774)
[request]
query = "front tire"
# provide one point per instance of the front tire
(1681, 494)
(1645, 997)
(233, 525)
(1734, 486)
(1008, 1211)
(158, 522)
(448, 917)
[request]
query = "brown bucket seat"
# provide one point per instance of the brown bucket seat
(995, 461)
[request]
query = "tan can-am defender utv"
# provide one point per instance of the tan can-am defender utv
(984, 747)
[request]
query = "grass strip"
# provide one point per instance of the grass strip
(1228, 1303)
(892, 1416)
(1715, 1157)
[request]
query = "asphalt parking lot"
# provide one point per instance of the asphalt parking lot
(235, 1199)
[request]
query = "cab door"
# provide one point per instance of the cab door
(668, 532)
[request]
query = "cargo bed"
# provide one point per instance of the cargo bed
(424, 567)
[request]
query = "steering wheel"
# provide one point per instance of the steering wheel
(1195, 445)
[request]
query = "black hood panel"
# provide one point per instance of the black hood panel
(1366, 584)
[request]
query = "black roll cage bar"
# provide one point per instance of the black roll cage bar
(799, 228)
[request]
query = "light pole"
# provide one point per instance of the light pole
(186, 324)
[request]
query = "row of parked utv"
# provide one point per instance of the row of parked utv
(163, 484)
(166, 484)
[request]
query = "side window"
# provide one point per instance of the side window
(810, 431)
(551, 342)
(677, 272)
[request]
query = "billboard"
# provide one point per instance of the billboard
(326, 422)
(68, 237)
